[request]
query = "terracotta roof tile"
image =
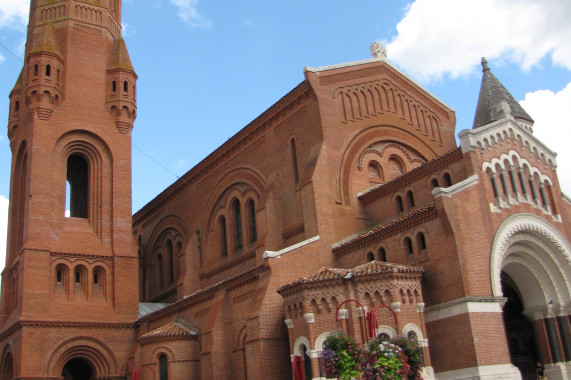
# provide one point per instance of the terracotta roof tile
(367, 269)
(170, 330)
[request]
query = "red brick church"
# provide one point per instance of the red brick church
(351, 186)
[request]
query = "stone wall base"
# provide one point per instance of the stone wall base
(487, 372)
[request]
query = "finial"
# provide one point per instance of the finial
(485, 64)
(378, 50)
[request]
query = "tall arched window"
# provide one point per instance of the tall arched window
(251, 215)
(48, 70)
(294, 160)
(159, 271)
(170, 262)
(223, 241)
(78, 180)
(237, 225)
(434, 183)
(114, 86)
(421, 241)
(163, 368)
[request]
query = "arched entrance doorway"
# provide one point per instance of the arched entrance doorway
(77, 369)
(531, 266)
(519, 331)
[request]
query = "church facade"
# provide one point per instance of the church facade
(347, 196)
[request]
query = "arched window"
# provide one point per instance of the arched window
(163, 368)
(170, 262)
(99, 281)
(58, 75)
(35, 70)
(16, 106)
(382, 254)
(125, 86)
(398, 200)
(159, 271)
(409, 199)
(374, 172)
(237, 225)
(114, 86)
(223, 241)
(251, 215)
(447, 179)
(48, 70)
(421, 241)
(434, 183)
(61, 276)
(408, 246)
(370, 256)
(78, 180)
(294, 160)
(80, 278)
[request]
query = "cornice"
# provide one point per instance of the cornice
(68, 325)
(247, 134)
(411, 219)
(407, 178)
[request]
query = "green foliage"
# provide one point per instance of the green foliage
(411, 350)
(344, 356)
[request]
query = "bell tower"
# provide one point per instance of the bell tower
(69, 295)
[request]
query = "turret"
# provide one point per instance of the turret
(121, 88)
(44, 75)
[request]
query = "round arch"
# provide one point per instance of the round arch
(96, 353)
(538, 259)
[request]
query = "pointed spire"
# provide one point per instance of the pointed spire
(495, 102)
(18, 85)
(45, 40)
(119, 56)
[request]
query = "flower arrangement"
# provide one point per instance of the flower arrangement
(412, 352)
(385, 361)
(342, 356)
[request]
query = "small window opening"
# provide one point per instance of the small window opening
(409, 199)
(48, 70)
(125, 86)
(58, 276)
(421, 241)
(447, 179)
(95, 278)
(434, 183)
(408, 246)
(382, 254)
(17, 106)
(370, 256)
(77, 277)
(36, 70)
(400, 207)
(58, 75)
(77, 178)
(114, 86)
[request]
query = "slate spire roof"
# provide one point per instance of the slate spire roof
(495, 102)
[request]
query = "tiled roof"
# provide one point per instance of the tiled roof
(168, 331)
(150, 307)
(492, 95)
(45, 41)
(367, 269)
(408, 220)
(120, 56)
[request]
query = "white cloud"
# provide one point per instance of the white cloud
(14, 13)
(448, 37)
(126, 29)
(2, 58)
(3, 229)
(553, 126)
(188, 13)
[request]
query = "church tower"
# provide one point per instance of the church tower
(69, 289)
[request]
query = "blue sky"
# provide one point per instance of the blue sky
(207, 68)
